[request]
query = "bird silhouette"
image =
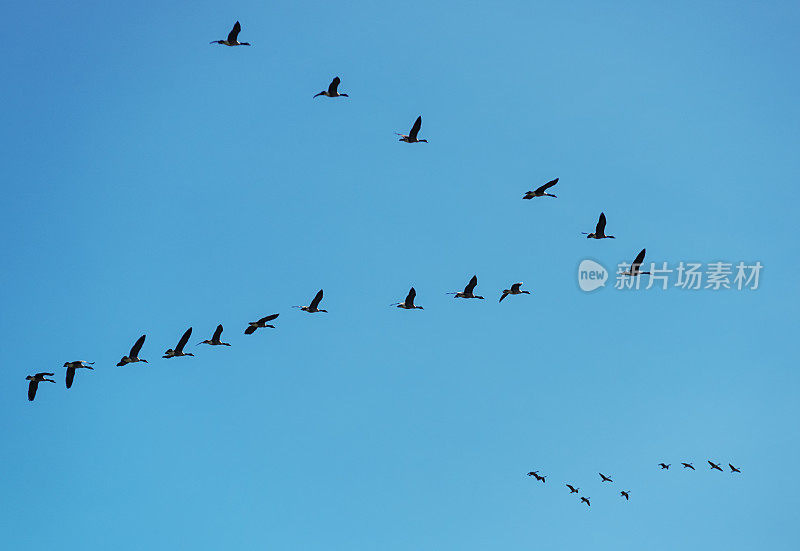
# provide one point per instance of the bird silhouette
(541, 190)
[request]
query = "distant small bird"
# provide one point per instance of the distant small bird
(599, 230)
(636, 264)
(411, 137)
(72, 366)
(215, 338)
(333, 90)
(715, 466)
(408, 303)
(624, 494)
(468, 290)
(586, 501)
(541, 191)
(34, 383)
(515, 290)
(605, 478)
(233, 37)
(533, 473)
(178, 351)
(313, 307)
(133, 357)
(664, 466)
(688, 466)
(572, 489)
(734, 469)
(260, 323)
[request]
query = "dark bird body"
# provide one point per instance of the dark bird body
(263, 322)
(605, 478)
(541, 191)
(515, 290)
(468, 290)
(600, 229)
(133, 356)
(411, 137)
(233, 37)
(34, 383)
(314, 306)
(636, 264)
(333, 90)
(215, 338)
(408, 303)
(178, 350)
(72, 366)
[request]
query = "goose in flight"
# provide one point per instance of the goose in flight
(133, 357)
(688, 466)
(715, 466)
(572, 489)
(178, 351)
(72, 366)
(734, 469)
(411, 137)
(215, 338)
(636, 264)
(664, 466)
(605, 478)
(333, 90)
(408, 303)
(233, 37)
(541, 191)
(599, 230)
(515, 290)
(586, 501)
(467, 292)
(34, 383)
(625, 494)
(263, 322)
(313, 307)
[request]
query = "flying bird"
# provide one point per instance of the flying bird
(636, 264)
(605, 478)
(599, 230)
(133, 357)
(260, 323)
(586, 501)
(624, 493)
(215, 338)
(515, 290)
(408, 303)
(533, 473)
(734, 469)
(178, 351)
(715, 466)
(572, 489)
(233, 37)
(72, 366)
(467, 292)
(541, 191)
(313, 307)
(411, 137)
(34, 383)
(664, 466)
(333, 90)
(688, 466)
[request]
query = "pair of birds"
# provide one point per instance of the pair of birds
(712, 465)
(37, 378)
(468, 292)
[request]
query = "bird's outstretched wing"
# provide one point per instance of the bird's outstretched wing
(250, 329)
(415, 128)
(412, 293)
(549, 184)
(234, 34)
(601, 225)
(32, 386)
(183, 341)
(268, 318)
(334, 86)
(137, 346)
(316, 301)
(504, 295)
(217, 333)
(637, 262)
(70, 376)
(471, 285)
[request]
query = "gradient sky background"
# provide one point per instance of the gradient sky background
(152, 181)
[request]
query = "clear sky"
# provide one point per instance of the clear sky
(151, 182)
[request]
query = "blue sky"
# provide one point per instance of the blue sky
(153, 181)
